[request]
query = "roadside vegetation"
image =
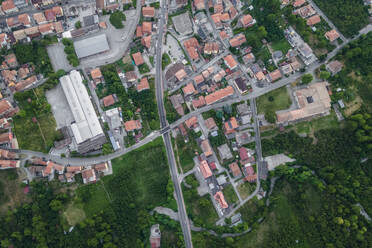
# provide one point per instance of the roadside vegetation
(70, 52)
(117, 18)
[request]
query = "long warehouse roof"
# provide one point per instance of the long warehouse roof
(86, 124)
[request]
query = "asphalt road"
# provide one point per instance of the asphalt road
(184, 220)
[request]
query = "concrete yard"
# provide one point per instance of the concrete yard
(58, 57)
(61, 110)
(276, 160)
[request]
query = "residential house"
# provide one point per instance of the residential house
(205, 170)
(210, 124)
(206, 148)
(58, 168)
(311, 21)
(334, 67)
(189, 89)
(138, 59)
(220, 199)
(131, 76)
(211, 48)
(298, 3)
(146, 41)
(46, 29)
(230, 126)
(89, 176)
(25, 83)
(181, 74)
(109, 100)
(247, 21)
(230, 62)
(148, 12)
(19, 35)
(8, 154)
(3, 40)
(102, 167)
(8, 7)
(11, 60)
(199, 4)
(48, 171)
(238, 40)
(6, 109)
(224, 152)
(192, 122)
(245, 157)
(199, 102)
(275, 75)
(235, 170)
(96, 75)
(241, 85)
(50, 15)
(74, 169)
(6, 139)
(8, 164)
(305, 11)
(132, 125)
(249, 58)
(219, 95)
(39, 18)
(147, 27)
(177, 101)
(249, 174)
(332, 35)
(192, 46)
(143, 85)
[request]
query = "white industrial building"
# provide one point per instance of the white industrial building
(86, 128)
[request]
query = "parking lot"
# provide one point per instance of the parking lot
(58, 57)
(61, 110)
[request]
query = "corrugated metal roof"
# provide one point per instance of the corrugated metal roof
(91, 46)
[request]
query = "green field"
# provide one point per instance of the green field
(11, 192)
(93, 197)
(245, 189)
(281, 45)
(230, 195)
(186, 152)
(275, 100)
(326, 122)
(199, 209)
(271, 102)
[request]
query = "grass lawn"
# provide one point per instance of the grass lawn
(326, 122)
(199, 209)
(11, 192)
(74, 214)
(252, 210)
(281, 45)
(186, 152)
(273, 101)
(245, 189)
(230, 195)
(146, 170)
(93, 197)
(31, 136)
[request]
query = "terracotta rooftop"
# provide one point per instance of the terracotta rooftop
(49, 15)
(46, 28)
(25, 83)
(199, 4)
(139, 31)
(219, 94)
(230, 61)
(313, 20)
(210, 123)
(225, 17)
(206, 148)
(204, 169)
(132, 125)
(220, 199)
(181, 74)
(108, 100)
(143, 84)
(146, 41)
(199, 79)
(101, 167)
(234, 167)
(275, 75)
(24, 19)
(73, 169)
(199, 102)
(148, 11)
(147, 27)
(298, 3)
(96, 73)
(189, 89)
(191, 122)
(231, 125)
(223, 35)
(58, 11)
(7, 5)
(260, 75)
(246, 20)
(238, 40)
(332, 35)
(138, 59)
(6, 137)
(39, 17)
(58, 28)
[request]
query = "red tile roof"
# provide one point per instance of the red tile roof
(246, 20)
(206, 148)
(238, 40)
(189, 89)
(198, 103)
(7, 5)
(205, 170)
(132, 125)
(147, 27)
(231, 125)
(230, 61)
(234, 167)
(108, 100)
(332, 35)
(143, 84)
(275, 75)
(146, 41)
(191, 122)
(219, 94)
(220, 199)
(96, 73)
(313, 20)
(138, 59)
(148, 11)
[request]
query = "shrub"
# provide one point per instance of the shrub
(116, 19)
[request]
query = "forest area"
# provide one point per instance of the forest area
(348, 16)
